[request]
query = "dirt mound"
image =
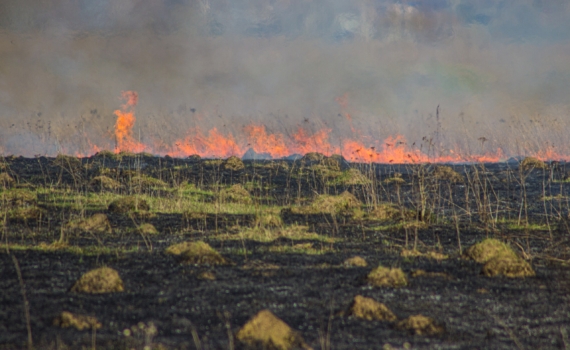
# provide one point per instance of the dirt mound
(97, 281)
(387, 277)
(79, 322)
(265, 330)
(6, 180)
(487, 249)
(355, 261)
(421, 325)
(98, 223)
(236, 194)
(104, 183)
(233, 163)
(507, 266)
(127, 204)
(371, 310)
(530, 163)
(446, 173)
(199, 253)
(147, 229)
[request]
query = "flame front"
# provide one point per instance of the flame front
(213, 143)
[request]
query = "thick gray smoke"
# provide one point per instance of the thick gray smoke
(498, 70)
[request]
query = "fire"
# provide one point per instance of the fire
(125, 123)
(213, 143)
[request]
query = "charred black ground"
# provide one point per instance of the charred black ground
(285, 243)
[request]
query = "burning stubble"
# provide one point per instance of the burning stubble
(215, 78)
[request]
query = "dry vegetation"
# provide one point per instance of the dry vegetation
(212, 219)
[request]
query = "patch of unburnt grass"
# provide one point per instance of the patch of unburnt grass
(197, 253)
(292, 232)
(499, 259)
(370, 310)
(128, 204)
(355, 261)
(407, 253)
(530, 163)
(387, 277)
(233, 163)
(267, 331)
(98, 281)
(236, 194)
(446, 173)
(80, 322)
(421, 325)
(97, 223)
(104, 183)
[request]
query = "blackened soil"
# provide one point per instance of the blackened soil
(309, 292)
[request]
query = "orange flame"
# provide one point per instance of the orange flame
(124, 125)
(394, 149)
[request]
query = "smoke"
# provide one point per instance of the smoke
(497, 70)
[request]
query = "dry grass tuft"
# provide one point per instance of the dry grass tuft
(355, 261)
(259, 265)
(390, 212)
(507, 266)
(421, 325)
(387, 277)
(405, 253)
(233, 163)
(344, 203)
(423, 273)
(446, 173)
(370, 310)
(207, 276)
(98, 281)
(66, 161)
(147, 229)
(18, 198)
(530, 163)
(265, 330)
(146, 183)
(200, 253)
(488, 249)
(235, 194)
(6, 180)
(98, 223)
(104, 183)
(79, 322)
(127, 204)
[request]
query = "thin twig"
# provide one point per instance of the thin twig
(26, 304)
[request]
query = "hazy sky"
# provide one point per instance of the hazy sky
(497, 69)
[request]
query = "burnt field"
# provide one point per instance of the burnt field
(349, 256)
